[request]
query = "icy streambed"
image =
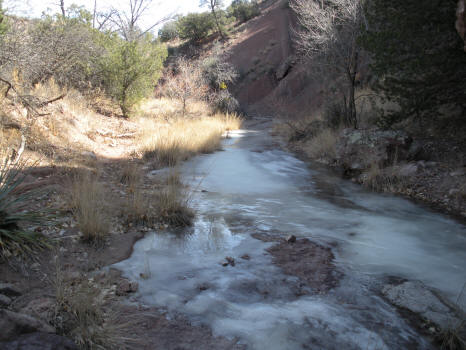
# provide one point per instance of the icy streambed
(254, 187)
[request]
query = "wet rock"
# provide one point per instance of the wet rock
(291, 239)
(416, 297)
(9, 290)
(310, 262)
(203, 287)
(245, 257)
(228, 261)
(39, 341)
(357, 150)
(125, 286)
(14, 324)
(4, 300)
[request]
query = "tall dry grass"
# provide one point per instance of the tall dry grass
(167, 138)
(323, 145)
(168, 204)
(88, 202)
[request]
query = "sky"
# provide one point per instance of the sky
(158, 9)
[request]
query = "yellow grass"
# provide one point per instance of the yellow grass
(88, 202)
(323, 145)
(168, 138)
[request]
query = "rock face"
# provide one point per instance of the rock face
(39, 341)
(357, 150)
(417, 298)
(13, 324)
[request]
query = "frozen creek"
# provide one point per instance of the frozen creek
(253, 187)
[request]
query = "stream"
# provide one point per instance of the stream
(254, 187)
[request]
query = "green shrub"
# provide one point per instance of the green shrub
(131, 69)
(244, 10)
(195, 26)
(169, 32)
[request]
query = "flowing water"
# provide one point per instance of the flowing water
(253, 187)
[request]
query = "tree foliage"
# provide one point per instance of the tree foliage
(169, 31)
(215, 7)
(131, 69)
(418, 57)
(195, 26)
(244, 10)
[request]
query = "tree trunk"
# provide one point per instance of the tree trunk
(62, 7)
(219, 29)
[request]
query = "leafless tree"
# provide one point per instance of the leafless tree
(328, 38)
(214, 5)
(127, 22)
(186, 83)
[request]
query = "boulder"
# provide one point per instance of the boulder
(39, 341)
(416, 297)
(291, 239)
(357, 150)
(14, 324)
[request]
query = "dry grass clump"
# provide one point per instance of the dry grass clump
(131, 174)
(173, 207)
(88, 199)
(81, 313)
(381, 179)
(169, 139)
(166, 205)
(453, 338)
(323, 145)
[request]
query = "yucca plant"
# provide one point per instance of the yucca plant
(14, 238)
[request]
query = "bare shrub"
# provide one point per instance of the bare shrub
(186, 83)
(328, 38)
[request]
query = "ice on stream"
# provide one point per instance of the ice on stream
(254, 188)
